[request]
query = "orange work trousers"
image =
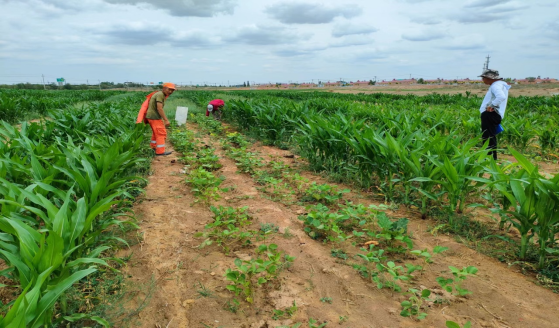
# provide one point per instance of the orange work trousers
(158, 136)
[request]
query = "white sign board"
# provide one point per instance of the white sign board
(181, 115)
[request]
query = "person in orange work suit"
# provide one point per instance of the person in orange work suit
(157, 120)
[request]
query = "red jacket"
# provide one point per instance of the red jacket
(217, 103)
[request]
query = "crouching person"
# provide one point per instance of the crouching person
(215, 107)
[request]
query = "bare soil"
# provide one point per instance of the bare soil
(422, 90)
(541, 89)
(502, 297)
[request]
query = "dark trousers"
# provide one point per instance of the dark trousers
(489, 123)
(217, 114)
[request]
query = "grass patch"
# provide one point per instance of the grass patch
(107, 295)
(497, 244)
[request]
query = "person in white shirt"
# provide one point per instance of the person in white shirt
(493, 108)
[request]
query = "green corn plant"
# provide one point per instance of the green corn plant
(500, 182)
(61, 190)
(423, 176)
(523, 196)
(34, 306)
(457, 175)
(47, 263)
(547, 211)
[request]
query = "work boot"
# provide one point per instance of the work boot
(165, 153)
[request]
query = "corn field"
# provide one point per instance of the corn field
(65, 188)
(28, 104)
(424, 152)
(66, 183)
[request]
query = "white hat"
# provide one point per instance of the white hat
(210, 108)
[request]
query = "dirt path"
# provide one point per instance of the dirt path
(501, 297)
(546, 168)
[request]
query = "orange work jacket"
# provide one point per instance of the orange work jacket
(144, 109)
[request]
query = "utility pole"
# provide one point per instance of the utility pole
(486, 63)
(44, 86)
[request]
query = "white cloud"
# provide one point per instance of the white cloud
(485, 3)
(195, 39)
(551, 30)
(466, 42)
(116, 39)
(476, 13)
(370, 55)
(311, 13)
(197, 8)
(352, 40)
(426, 20)
(424, 35)
(265, 35)
(137, 33)
(352, 29)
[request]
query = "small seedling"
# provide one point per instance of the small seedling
(285, 314)
(268, 228)
(287, 234)
(326, 300)
(338, 253)
(203, 291)
(204, 185)
(449, 284)
(208, 326)
(412, 307)
(320, 223)
(393, 233)
(297, 325)
(343, 318)
(256, 271)
(314, 323)
(232, 306)
(323, 193)
(427, 257)
(452, 324)
(228, 228)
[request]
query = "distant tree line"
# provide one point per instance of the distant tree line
(69, 86)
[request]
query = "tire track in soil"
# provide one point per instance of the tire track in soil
(501, 298)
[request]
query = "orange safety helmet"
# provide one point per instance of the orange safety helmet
(169, 85)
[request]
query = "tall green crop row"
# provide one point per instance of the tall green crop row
(64, 185)
(530, 124)
(423, 151)
(21, 104)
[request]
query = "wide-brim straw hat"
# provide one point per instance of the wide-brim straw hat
(491, 74)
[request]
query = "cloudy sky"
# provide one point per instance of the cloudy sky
(231, 41)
